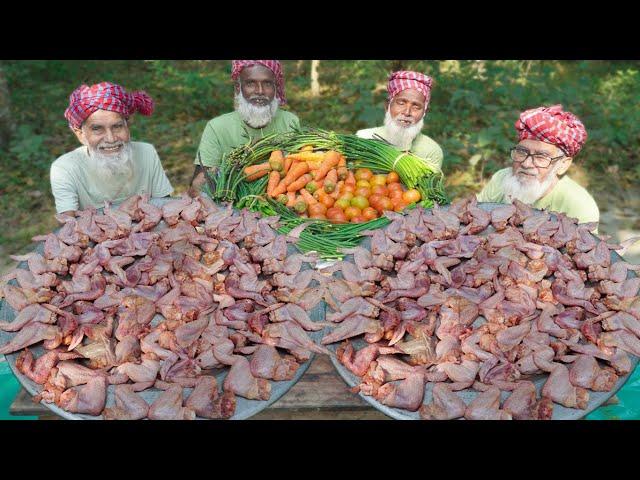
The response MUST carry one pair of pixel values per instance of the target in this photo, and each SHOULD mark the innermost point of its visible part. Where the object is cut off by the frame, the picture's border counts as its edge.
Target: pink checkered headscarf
(404, 79)
(555, 126)
(274, 65)
(85, 100)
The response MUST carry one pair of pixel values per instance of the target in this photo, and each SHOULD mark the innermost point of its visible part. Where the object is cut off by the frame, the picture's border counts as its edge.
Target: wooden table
(320, 394)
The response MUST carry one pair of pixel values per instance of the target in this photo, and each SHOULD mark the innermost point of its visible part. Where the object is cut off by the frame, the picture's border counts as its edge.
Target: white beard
(527, 191)
(399, 135)
(253, 115)
(109, 168)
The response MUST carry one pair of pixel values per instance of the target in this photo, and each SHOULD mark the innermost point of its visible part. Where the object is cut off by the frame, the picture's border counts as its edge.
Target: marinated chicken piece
(206, 402)
(31, 333)
(446, 405)
(586, 373)
(267, 363)
(486, 406)
(89, 399)
(241, 381)
(129, 405)
(407, 394)
(168, 406)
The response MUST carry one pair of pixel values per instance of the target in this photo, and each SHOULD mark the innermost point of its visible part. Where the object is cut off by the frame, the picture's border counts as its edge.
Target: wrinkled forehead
(538, 146)
(410, 95)
(104, 118)
(257, 73)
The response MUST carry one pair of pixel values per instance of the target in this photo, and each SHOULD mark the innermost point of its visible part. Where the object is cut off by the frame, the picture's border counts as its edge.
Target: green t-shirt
(228, 132)
(74, 187)
(566, 197)
(422, 146)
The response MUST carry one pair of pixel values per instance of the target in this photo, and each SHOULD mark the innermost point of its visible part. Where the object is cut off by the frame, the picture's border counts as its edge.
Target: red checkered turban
(85, 100)
(555, 126)
(404, 79)
(274, 65)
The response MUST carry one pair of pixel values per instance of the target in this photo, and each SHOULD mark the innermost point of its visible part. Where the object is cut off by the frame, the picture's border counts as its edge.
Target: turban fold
(404, 79)
(555, 126)
(85, 100)
(274, 65)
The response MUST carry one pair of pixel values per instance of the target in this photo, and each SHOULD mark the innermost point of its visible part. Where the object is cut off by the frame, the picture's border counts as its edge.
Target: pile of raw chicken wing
(222, 283)
(464, 298)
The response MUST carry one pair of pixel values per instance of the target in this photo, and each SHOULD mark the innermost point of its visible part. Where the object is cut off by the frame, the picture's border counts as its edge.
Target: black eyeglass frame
(532, 155)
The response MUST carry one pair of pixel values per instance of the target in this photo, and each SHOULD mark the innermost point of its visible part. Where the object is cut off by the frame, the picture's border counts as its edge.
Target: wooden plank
(320, 393)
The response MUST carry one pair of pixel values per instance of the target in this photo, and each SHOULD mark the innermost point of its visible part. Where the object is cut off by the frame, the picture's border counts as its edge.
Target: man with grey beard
(108, 166)
(549, 139)
(405, 109)
(259, 92)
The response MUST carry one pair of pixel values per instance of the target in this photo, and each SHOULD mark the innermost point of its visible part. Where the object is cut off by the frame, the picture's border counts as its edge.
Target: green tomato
(342, 203)
(359, 202)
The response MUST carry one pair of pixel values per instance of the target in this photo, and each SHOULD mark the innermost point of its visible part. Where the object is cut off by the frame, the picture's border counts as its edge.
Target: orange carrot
(279, 189)
(307, 197)
(343, 173)
(299, 183)
(292, 199)
(254, 172)
(336, 193)
(287, 164)
(274, 179)
(295, 172)
(331, 160)
(330, 181)
(351, 179)
(343, 161)
(276, 160)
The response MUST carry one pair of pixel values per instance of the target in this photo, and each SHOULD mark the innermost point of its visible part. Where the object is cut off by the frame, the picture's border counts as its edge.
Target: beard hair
(109, 167)
(398, 134)
(527, 191)
(253, 115)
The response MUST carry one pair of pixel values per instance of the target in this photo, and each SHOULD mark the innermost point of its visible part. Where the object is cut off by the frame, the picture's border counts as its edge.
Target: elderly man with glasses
(549, 139)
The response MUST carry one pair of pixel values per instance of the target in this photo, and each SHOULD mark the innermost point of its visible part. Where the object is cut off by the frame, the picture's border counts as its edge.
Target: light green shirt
(228, 132)
(566, 197)
(75, 186)
(422, 146)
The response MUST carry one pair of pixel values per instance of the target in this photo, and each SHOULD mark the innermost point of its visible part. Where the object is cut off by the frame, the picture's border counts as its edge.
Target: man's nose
(528, 162)
(259, 88)
(406, 111)
(110, 136)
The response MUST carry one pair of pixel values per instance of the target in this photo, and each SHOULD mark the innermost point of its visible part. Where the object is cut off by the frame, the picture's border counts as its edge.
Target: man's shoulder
(500, 174)
(367, 132)
(426, 140)
(570, 188)
(287, 115)
(69, 160)
(223, 120)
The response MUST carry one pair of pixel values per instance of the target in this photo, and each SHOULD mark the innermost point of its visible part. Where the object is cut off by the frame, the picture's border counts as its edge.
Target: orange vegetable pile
(319, 185)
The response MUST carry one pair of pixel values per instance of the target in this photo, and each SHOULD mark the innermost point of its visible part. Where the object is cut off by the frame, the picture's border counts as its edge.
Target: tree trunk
(397, 65)
(5, 112)
(315, 84)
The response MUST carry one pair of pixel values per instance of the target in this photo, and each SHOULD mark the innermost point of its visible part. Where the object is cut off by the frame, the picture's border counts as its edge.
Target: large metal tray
(560, 412)
(244, 408)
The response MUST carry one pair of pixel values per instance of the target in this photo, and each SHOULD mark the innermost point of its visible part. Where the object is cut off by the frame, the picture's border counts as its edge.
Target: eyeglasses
(540, 160)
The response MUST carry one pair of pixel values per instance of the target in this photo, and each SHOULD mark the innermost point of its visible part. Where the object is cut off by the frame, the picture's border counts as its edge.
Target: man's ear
(565, 164)
(236, 87)
(79, 135)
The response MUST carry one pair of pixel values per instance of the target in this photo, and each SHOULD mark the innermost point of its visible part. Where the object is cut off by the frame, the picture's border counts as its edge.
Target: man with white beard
(406, 106)
(549, 139)
(108, 166)
(259, 92)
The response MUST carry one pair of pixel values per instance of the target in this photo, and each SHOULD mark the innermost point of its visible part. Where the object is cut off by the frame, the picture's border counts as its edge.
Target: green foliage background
(473, 108)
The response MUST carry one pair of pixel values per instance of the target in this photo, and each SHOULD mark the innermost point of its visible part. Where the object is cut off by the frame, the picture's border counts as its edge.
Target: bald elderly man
(108, 166)
(406, 106)
(259, 92)
(549, 139)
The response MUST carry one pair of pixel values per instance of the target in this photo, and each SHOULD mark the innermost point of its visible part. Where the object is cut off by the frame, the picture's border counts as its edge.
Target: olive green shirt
(228, 132)
(422, 146)
(566, 197)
